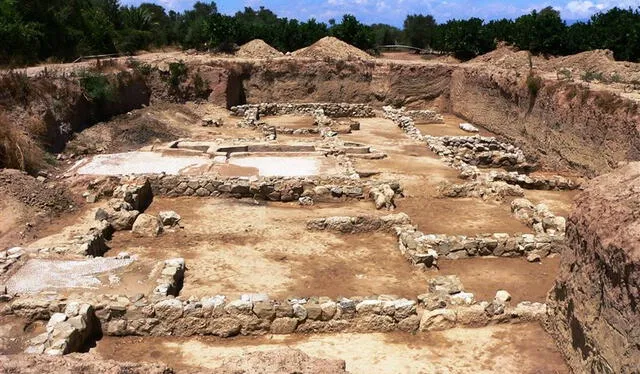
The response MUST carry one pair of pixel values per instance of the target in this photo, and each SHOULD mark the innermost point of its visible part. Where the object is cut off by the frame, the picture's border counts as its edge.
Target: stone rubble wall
(429, 116)
(466, 153)
(330, 109)
(171, 277)
(529, 182)
(257, 315)
(539, 218)
(267, 188)
(425, 116)
(359, 224)
(67, 332)
(129, 200)
(425, 249)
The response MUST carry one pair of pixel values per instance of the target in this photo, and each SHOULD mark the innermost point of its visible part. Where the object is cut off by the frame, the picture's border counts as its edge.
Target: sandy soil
(450, 127)
(233, 247)
(496, 349)
(290, 121)
(560, 202)
(483, 276)
(15, 334)
(464, 216)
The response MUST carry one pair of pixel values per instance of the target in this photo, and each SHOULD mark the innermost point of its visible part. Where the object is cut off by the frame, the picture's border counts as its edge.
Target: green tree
(386, 34)
(617, 30)
(420, 30)
(350, 30)
(540, 32)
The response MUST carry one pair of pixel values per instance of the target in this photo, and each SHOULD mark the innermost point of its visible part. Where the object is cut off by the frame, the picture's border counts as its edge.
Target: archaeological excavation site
(323, 211)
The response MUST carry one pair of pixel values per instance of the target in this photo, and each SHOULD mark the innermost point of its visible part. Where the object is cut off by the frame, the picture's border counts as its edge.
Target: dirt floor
(290, 121)
(484, 276)
(450, 127)
(560, 202)
(273, 252)
(496, 349)
(16, 332)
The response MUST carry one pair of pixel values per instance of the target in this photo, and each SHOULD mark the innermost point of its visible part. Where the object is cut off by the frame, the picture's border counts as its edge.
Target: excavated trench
(345, 229)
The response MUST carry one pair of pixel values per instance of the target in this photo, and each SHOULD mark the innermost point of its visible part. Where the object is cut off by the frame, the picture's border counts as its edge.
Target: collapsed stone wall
(594, 305)
(67, 332)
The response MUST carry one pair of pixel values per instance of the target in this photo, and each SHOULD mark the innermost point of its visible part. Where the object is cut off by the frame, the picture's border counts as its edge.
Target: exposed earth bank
(594, 304)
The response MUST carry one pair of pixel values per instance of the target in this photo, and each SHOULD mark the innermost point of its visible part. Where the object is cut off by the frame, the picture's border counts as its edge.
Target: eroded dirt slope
(594, 305)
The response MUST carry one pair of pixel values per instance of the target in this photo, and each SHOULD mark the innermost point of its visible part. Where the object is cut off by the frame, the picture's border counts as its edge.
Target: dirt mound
(330, 47)
(505, 57)
(133, 130)
(48, 196)
(75, 363)
(599, 61)
(257, 48)
(280, 361)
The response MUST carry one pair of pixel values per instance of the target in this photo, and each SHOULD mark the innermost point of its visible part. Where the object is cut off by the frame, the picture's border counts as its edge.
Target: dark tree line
(541, 32)
(62, 30)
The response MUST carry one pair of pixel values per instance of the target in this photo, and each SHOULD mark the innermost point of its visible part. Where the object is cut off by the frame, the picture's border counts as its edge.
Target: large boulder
(594, 307)
(147, 225)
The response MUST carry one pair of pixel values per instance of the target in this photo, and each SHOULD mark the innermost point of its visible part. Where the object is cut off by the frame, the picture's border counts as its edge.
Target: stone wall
(256, 314)
(425, 249)
(471, 153)
(329, 109)
(359, 224)
(267, 188)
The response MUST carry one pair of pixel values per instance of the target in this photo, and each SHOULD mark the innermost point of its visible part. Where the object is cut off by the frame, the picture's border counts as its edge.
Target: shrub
(200, 86)
(15, 87)
(591, 75)
(17, 151)
(534, 83)
(177, 74)
(564, 75)
(97, 87)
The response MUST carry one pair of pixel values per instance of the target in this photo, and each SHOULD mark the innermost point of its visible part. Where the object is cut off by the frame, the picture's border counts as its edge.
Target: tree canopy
(62, 30)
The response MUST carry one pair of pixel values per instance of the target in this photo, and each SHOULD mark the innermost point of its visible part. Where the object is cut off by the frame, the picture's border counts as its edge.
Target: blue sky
(394, 12)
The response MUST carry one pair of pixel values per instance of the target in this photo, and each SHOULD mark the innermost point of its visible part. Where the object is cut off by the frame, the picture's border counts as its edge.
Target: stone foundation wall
(330, 109)
(360, 224)
(257, 315)
(268, 188)
(425, 249)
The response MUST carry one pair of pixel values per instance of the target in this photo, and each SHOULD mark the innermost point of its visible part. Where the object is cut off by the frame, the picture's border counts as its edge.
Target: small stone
(534, 256)
(502, 297)
(169, 218)
(123, 256)
(147, 225)
(284, 325)
(305, 201)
